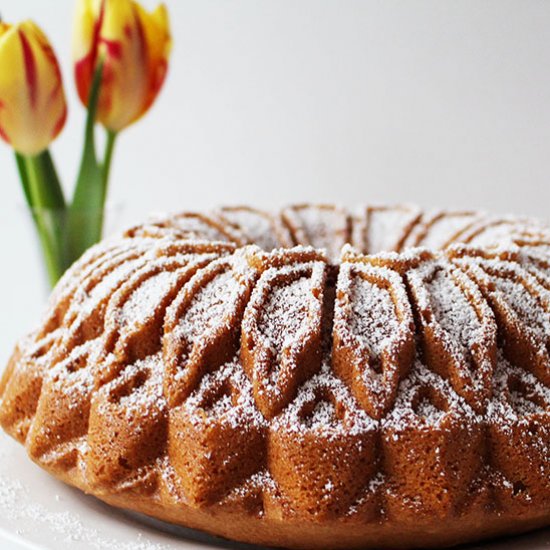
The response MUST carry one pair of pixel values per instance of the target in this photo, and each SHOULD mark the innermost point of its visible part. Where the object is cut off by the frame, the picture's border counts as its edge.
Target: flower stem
(23, 176)
(47, 204)
(86, 211)
(109, 148)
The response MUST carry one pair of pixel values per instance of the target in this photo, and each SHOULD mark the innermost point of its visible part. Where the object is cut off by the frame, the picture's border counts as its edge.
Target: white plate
(37, 511)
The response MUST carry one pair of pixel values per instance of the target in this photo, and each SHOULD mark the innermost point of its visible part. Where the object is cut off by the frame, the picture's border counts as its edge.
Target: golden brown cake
(312, 378)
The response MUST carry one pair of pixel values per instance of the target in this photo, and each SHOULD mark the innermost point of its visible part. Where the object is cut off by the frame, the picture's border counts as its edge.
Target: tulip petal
(86, 36)
(32, 102)
(159, 43)
(30, 69)
(134, 46)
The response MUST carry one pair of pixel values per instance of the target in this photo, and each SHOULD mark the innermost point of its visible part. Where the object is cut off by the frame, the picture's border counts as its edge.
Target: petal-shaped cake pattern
(261, 228)
(322, 226)
(456, 327)
(386, 228)
(522, 309)
(374, 337)
(282, 332)
(201, 328)
(438, 229)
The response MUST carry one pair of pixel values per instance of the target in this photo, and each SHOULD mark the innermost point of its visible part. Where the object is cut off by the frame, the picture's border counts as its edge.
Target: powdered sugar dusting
(505, 231)
(321, 227)
(110, 282)
(519, 397)
(196, 226)
(209, 306)
(373, 317)
(425, 399)
(325, 406)
(323, 414)
(387, 227)
(285, 313)
(144, 301)
(525, 304)
(513, 287)
(454, 313)
(447, 226)
(257, 227)
(146, 398)
(233, 402)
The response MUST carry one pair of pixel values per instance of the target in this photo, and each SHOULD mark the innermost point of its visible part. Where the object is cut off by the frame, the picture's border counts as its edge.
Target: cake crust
(310, 378)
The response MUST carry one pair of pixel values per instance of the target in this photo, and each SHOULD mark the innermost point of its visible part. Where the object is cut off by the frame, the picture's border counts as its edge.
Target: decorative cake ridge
(164, 352)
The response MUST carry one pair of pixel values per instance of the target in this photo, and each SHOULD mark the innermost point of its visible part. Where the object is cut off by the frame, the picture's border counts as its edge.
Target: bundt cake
(312, 378)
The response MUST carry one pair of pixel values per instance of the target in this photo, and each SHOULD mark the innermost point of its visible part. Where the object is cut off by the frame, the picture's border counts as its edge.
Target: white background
(269, 102)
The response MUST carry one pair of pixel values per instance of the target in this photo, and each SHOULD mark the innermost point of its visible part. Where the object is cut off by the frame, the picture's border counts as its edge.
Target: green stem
(109, 149)
(86, 211)
(21, 167)
(105, 171)
(87, 186)
(47, 205)
(42, 188)
(56, 198)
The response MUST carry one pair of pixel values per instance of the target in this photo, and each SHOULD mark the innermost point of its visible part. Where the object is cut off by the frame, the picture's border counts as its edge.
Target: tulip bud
(134, 46)
(32, 101)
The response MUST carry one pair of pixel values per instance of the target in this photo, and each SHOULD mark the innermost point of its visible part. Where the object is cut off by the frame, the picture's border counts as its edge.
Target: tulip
(32, 101)
(132, 45)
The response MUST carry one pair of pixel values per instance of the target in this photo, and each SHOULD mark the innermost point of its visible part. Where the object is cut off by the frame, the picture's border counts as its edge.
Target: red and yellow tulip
(121, 58)
(134, 46)
(32, 101)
